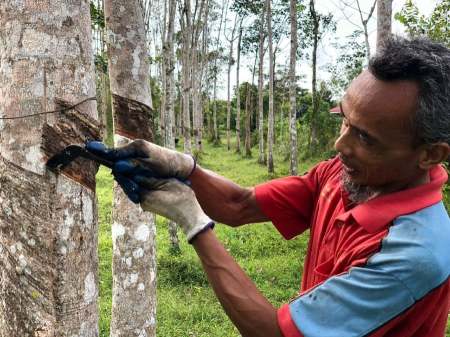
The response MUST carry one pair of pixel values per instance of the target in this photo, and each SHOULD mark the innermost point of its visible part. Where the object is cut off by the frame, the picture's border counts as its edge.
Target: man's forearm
(249, 310)
(223, 200)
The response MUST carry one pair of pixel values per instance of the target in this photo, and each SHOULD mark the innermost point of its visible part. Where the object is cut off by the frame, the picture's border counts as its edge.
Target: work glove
(159, 161)
(168, 197)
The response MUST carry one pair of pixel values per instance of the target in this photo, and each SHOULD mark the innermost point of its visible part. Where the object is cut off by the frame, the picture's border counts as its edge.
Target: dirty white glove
(176, 201)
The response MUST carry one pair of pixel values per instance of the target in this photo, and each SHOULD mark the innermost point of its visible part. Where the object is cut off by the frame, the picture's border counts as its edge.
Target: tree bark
(185, 21)
(364, 23)
(384, 21)
(216, 131)
(169, 114)
(48, 221)
(293, 90)
(315, 99)
(270, 135)
(230, 64)
(133, 231)
(262, 153)
(238, 96)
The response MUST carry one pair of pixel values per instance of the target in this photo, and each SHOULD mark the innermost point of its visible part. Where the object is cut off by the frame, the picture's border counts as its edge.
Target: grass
(187, 306)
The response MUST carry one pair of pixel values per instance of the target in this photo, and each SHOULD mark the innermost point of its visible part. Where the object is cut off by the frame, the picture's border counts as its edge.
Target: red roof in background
(335, 110)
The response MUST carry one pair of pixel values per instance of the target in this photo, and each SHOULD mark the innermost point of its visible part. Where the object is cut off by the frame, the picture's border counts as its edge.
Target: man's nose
(343, 143)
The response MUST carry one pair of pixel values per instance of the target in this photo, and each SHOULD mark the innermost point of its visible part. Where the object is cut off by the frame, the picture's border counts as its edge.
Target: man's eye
(364, 139)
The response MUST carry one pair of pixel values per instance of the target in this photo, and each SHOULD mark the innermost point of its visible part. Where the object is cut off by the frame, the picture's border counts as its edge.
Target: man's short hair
(428, 64)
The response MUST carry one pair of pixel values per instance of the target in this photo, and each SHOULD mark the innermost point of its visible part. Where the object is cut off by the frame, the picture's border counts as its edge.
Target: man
(378, 261)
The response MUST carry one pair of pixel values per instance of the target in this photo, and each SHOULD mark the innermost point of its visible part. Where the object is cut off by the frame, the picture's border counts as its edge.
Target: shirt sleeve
(289, 202)
(366, 299)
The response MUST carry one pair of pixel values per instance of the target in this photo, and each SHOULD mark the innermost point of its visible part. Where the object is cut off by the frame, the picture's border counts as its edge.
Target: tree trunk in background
(312, 142)
(270, 165)
(238, 96)
(230, 63)
(216, 131)
(249, 115)
(293, 90)
(185, 21)
(262, 153)
(365, 23)
(384, 21)
(169, 90)
(133, 231)
(48, 222)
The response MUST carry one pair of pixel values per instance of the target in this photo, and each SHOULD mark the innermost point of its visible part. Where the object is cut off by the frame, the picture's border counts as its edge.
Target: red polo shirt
(378, 269)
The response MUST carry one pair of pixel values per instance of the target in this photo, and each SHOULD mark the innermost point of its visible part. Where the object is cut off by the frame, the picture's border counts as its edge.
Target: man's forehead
(381, 108)
(397, 97)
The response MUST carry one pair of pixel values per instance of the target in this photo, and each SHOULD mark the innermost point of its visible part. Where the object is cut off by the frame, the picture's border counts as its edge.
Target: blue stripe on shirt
(413, 260)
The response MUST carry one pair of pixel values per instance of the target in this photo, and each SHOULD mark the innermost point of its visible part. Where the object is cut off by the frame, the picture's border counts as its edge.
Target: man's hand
(170, 198)
(158, 161)
(176, 201)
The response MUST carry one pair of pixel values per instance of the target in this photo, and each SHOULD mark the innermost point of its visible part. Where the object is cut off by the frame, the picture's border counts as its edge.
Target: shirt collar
(379, 212)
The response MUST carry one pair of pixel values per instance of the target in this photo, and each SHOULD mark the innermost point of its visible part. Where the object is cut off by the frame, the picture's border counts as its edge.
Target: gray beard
(357, 194)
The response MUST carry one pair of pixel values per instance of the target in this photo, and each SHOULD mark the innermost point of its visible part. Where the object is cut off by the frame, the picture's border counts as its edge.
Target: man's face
(376, 140)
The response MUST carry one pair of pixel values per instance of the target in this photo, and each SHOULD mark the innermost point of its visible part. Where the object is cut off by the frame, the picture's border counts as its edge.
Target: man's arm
(249, 310)
(223, 200)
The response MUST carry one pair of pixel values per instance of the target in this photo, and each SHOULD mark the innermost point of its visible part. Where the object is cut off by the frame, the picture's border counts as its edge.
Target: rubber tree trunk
(133, 231)
(270, 133)
(216, 131)
(238, 95)
(384, 21)
(293, 90)
(262, 159)
(169, 94)
(48, 221)
(315, 97)
(186, 29)
(230, 64)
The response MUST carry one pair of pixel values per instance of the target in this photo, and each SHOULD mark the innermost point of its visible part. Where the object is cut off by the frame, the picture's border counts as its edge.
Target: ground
(187, 306)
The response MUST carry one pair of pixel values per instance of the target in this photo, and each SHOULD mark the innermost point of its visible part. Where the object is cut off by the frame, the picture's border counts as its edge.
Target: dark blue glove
(123, 171)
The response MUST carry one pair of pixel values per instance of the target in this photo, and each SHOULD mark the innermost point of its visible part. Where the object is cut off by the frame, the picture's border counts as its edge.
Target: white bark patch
(32, 242)
(113, 39)
(63, 250)
(142, 233)
(65, 228)
(152, 276)
(130, 280)
(89, 288)
(22, 261)
(136, 63)
(122, 9)
(88, 209)
(141, 287)
(38, 43)
(138, 253)
(117, 231)
(129, 261)
(34, 159)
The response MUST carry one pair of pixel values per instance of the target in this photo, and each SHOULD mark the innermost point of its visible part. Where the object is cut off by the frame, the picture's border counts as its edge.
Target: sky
(326, 53)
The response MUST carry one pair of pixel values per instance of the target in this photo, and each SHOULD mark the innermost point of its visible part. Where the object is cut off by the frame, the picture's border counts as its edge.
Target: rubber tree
(238, 96)
(169, 96)
(133, 231)
(48, 220)
(384, 21)
(270, 124)
(230, 64)
(293, 89)
(262, 158)
(216, 71)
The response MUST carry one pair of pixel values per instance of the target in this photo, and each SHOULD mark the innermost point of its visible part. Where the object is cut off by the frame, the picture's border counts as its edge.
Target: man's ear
(434, 154)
